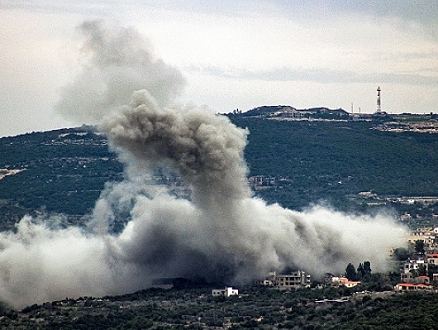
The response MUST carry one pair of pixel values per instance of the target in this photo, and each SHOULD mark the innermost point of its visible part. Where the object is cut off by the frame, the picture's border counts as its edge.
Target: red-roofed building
(337, 281)
(432, 258)
(411, 287)
(423, 279)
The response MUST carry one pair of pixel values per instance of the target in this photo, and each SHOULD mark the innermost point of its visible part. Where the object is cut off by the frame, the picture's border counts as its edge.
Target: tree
(401, 254)
(422, 270)
(419, 246)
(364, 271)
(367, 267)
(350, 272)
(360, 271)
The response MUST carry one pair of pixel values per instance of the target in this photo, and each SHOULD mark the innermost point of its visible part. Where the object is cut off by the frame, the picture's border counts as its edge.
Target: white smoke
(220, 232)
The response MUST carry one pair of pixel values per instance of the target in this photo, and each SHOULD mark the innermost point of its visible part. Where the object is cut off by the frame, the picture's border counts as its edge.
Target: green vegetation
(62, 171)
(351, 153)
(255, 308)
(331, 160)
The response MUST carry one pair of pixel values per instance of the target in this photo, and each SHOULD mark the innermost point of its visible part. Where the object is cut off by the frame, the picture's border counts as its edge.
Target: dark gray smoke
(206, 150)
(224, 227)
(220, 232)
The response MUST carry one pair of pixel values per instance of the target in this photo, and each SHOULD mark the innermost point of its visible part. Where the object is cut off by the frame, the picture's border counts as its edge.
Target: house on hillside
(423, 279)
(411, 287)
(297, 279)
(337, 281)
(432, 258)
(227, 292)
(413, 266)
(428, 235)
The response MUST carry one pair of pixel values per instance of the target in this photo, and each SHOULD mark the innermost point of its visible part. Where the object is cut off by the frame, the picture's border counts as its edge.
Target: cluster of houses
(297, 279)
(418, 270)
(413, 273)
(293, 280)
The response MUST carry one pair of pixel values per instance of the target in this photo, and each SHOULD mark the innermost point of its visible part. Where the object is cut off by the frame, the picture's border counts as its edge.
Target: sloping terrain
(329, 160)
(60, 171)
(64, 171)
(256, 308)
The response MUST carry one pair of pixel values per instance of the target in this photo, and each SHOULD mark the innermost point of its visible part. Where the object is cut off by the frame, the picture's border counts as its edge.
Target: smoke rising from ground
(231, 230)
(221, 231)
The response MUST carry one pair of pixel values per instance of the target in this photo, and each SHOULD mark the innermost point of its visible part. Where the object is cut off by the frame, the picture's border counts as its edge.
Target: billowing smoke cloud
(223, 228)
(220, 232)
(115, 62)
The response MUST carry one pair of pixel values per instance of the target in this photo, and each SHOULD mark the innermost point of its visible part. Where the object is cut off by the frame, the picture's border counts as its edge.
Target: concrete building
(295, 279)
(413, 265)
(432, 258)
(227, 292)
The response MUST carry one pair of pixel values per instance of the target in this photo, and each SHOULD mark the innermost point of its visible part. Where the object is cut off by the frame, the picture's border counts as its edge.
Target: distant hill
(288, 111)
(293, 163)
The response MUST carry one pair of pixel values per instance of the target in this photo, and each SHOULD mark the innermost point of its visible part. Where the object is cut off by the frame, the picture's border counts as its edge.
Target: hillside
(60, 171)
(324, 159)
(298, 163)
(256, 308)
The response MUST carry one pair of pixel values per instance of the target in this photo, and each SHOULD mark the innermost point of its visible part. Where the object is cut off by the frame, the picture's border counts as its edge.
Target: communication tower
(379, 108)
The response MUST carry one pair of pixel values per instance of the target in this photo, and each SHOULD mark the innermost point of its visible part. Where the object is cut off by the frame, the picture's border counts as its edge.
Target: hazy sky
(233, 54)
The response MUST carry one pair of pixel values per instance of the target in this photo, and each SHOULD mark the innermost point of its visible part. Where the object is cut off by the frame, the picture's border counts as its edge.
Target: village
(417, 266)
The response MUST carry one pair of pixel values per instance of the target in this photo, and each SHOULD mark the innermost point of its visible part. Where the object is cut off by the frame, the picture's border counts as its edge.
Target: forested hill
(330, 159)
(64, 171)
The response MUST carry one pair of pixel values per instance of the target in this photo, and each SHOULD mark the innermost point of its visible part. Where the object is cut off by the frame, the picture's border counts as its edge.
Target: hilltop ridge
(383, 120)
(286, 111)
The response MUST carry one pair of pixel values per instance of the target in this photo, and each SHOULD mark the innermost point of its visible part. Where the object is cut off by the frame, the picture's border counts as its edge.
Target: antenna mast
(379, 108)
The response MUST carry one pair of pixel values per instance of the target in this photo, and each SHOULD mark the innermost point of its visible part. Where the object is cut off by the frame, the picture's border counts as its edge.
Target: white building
(227, 292)
(411, 265)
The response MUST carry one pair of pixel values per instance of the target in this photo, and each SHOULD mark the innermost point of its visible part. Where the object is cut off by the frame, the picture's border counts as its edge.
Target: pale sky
(232, 54)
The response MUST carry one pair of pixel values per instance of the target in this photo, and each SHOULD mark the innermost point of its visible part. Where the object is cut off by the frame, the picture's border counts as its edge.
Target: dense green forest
(331, 160)
(320, 153)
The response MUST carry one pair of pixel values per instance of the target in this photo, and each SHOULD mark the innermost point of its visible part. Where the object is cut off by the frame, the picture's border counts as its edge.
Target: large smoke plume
(220, 232)
(115, 62)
